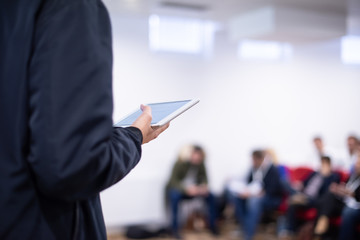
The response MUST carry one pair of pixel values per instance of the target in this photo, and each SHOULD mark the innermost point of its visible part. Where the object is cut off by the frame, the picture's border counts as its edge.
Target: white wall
(243, 105)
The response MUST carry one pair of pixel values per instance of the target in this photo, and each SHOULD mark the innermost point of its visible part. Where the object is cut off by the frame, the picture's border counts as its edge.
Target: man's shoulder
(273, 169)
(68, 1)
(272, 173)
(55, 5)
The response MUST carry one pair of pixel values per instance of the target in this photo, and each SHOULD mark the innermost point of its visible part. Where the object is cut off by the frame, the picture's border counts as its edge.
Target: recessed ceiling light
(350, 49)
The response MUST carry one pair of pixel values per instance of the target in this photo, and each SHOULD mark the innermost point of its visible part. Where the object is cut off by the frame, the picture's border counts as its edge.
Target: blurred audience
(344, 200)
(261, 192)
(189, 180)
(268, 185)
(307, 194)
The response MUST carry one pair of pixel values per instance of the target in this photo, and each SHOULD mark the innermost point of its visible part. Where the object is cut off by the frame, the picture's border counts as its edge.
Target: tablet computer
(162, 113)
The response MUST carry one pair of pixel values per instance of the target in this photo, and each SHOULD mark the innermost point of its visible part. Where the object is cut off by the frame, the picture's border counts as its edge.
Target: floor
(227, 232)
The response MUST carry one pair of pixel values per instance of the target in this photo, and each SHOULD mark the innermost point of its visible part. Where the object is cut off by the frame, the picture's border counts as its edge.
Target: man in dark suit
(264, 194)
(58, 148)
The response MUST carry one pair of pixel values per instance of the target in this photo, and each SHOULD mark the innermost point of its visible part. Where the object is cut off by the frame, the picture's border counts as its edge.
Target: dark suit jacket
(58, 148)
(271, 182)
(326, 183)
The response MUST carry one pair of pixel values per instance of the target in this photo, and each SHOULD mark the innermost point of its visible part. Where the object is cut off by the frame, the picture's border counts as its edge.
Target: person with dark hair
(189, 180)
(263, 193)
(320, 150)
(344, 200)
(308, 194)
(58, 147)
(351, 155)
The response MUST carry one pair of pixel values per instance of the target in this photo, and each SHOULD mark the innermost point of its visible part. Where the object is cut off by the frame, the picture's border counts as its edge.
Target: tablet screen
(159, 112)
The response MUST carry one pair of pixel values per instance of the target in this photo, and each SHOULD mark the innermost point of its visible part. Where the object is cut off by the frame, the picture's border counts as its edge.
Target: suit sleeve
(357, 194)
(272, 183)
(249, 177)
(75, 152)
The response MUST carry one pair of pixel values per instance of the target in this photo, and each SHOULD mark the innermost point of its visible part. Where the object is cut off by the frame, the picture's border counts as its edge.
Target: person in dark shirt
(342, 199)
(189, 180)
(308, 194)
(264, 194)
(58, 149)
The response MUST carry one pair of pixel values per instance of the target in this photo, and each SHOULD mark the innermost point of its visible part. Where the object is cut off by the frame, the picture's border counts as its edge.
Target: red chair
(283, 206)
(294, 174)
(299, 173)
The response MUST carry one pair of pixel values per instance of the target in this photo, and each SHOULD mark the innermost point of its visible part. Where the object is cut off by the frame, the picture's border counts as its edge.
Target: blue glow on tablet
(159, 112)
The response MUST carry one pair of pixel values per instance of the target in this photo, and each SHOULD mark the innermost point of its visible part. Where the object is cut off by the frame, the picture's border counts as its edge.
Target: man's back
(58, 149)
(18, 201)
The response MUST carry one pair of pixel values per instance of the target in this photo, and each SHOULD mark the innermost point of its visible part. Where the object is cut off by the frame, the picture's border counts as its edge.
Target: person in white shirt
(320, 150)
(351, 156)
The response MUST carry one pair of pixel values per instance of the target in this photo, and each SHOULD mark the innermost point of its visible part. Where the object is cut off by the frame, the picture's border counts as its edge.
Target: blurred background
(267, 73)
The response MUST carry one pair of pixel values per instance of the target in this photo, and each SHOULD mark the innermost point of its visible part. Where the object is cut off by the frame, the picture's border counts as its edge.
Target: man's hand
(245, 195)
(340, 190)
(298, 185)
(333, 187)
(144, 124)
(203, 190)
(299, 199)
(192, 191)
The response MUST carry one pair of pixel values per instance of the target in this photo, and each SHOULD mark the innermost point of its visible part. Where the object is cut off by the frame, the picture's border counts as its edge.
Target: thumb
(146, 113)
(145, 109)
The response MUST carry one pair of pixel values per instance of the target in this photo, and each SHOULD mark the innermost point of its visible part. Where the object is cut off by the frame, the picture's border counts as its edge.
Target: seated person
(307, 194)
(262, 192)
(189, 180)
(341, 199)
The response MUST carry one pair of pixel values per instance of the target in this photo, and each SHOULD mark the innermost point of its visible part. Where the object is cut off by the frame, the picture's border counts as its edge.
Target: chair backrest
(300, 173)
(344, 176)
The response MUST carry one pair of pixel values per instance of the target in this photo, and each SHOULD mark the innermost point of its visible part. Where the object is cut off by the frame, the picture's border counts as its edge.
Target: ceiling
(215, 9)
(224, 11)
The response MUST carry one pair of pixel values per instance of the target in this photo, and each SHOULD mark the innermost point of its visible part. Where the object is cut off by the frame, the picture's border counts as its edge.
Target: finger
(145, 109)
(162, 128)
(146, 113)
(156, 132)
(155, 127)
